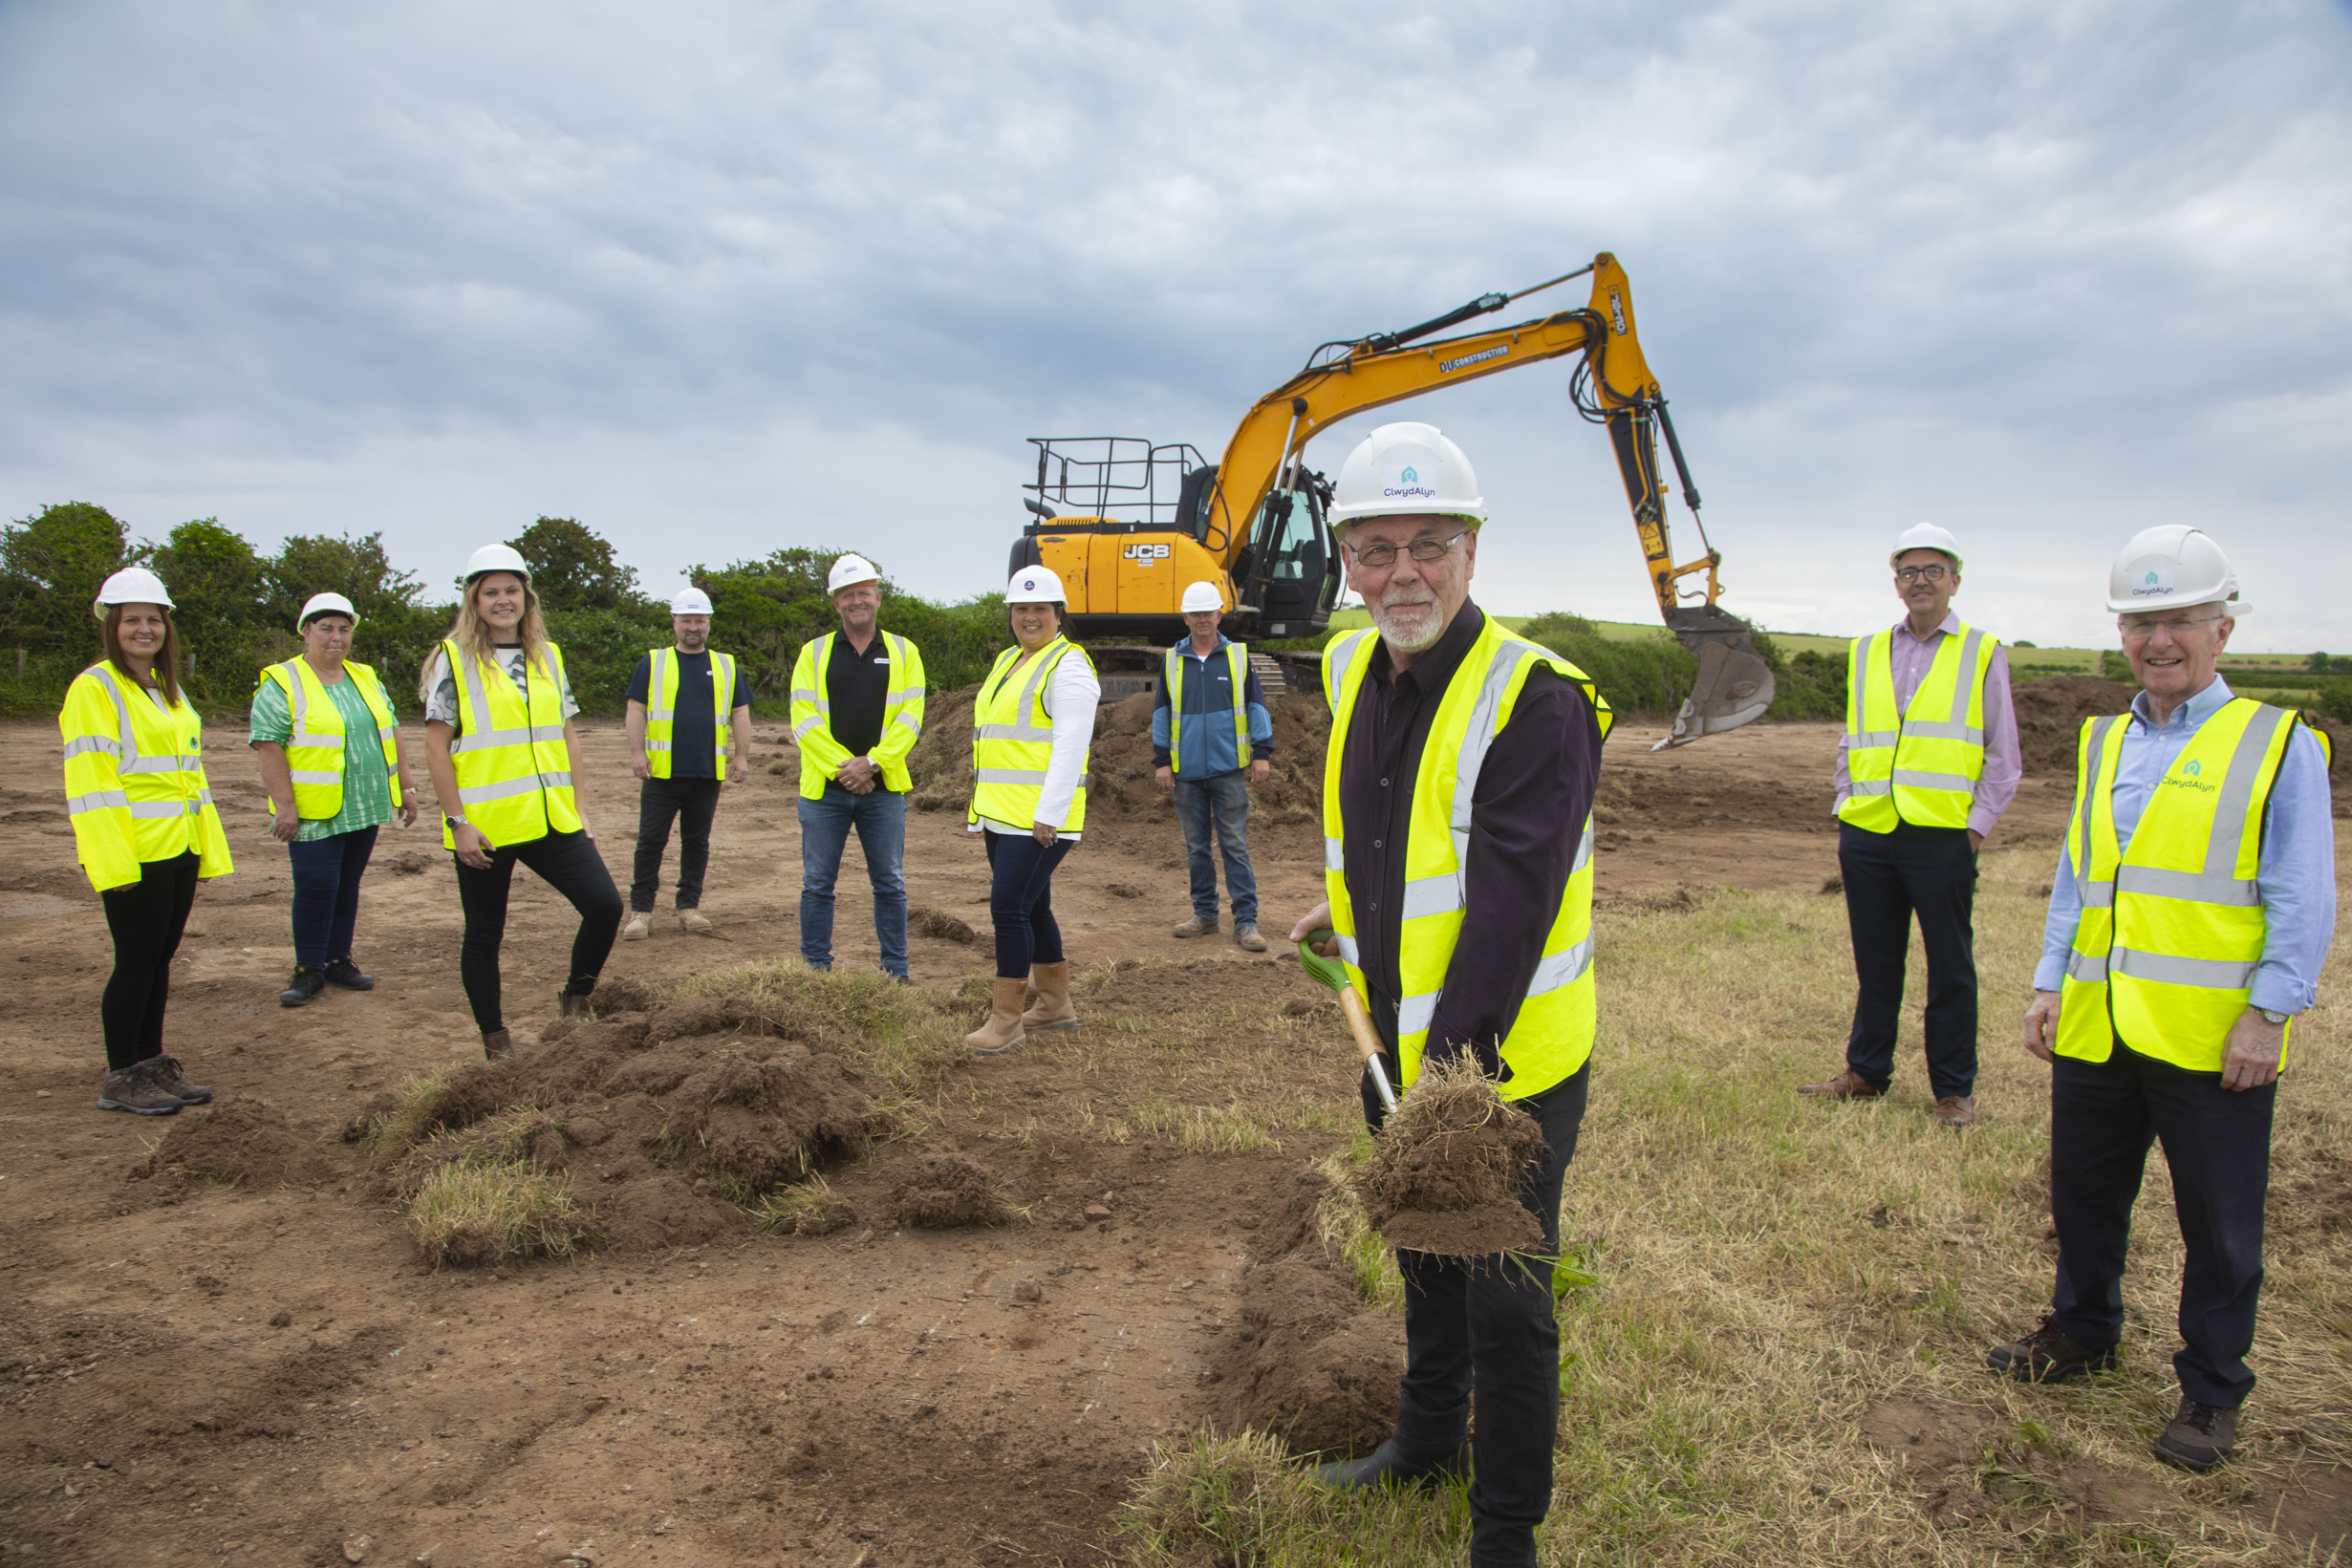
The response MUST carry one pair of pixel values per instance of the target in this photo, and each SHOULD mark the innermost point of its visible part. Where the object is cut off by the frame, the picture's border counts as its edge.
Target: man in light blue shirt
(2167, 982)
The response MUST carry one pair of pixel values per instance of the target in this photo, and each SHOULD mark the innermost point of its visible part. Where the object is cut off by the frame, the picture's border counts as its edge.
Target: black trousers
(569, 863)
(2103, 1118)
(1021, 900)
(1479, 1331)
(1890, 877)
(145, 920)
(694, 803)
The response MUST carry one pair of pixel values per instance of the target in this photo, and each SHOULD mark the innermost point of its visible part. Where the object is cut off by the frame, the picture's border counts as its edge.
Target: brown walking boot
(1848, 1085)
(1956, 1110)
(2048, 1356)
(1052, 1009)
(137, 1090)
(638, 927)
(1245, 937)
(166, 1071)
(1196, 926)
(2201, 1437)
(573, 1005)
(1003, 1031)
(496, 1046)
(693, 923)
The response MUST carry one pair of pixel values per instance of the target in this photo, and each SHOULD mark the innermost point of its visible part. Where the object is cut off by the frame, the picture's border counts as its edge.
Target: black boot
(344, 973)
(573, 1005)
(1387, 1464)
(496, 1046)
(1501, 1545)
(303, 989)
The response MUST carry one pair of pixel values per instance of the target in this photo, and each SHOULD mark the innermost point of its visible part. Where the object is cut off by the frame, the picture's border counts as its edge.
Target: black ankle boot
(1387, 1464)
(303, 989)
(344, 973)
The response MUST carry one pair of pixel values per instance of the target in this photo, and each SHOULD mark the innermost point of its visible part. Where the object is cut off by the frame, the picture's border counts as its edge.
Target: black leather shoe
(2201, 1438)
(303, 989)
(344, 973)
(1388, 1466)
(2048, 1356)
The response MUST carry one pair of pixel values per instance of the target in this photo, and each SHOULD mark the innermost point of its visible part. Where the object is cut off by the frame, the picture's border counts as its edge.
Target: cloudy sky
(717, 278)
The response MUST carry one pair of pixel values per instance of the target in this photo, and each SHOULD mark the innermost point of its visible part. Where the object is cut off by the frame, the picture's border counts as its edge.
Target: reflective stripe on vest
(2172, 928)
(902, 708)
(1012, 741)
(1552, 1035)
(514, 777)
(135, 783)
(315, 750)
(1921, 766)
(1172, 675)
(661, 709)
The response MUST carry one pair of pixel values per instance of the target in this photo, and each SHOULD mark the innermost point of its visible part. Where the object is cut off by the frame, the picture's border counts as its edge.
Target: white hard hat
(1035, 584)
(497, 558)
(1403, 469)
(2171, 566)
(1203, 596)
(1926, 536)
(849, 571)
(325, 604)
(690, 601)
(132, 585)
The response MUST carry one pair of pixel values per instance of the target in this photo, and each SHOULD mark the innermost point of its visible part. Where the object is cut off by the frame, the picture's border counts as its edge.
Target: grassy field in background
(1770, 1272)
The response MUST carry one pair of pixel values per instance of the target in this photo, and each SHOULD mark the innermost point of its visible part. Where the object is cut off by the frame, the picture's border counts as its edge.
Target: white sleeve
(1071, 703)
(443, 706)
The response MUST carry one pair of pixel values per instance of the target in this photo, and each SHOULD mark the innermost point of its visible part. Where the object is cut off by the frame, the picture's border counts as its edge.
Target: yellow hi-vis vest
(821, 756)
(2171, 930)
(1173, 676)
(1921, 766)
(315, 750)
(134, 780)
(1012, 741)
(1552, 1035)
(661, 709)
(514, 771)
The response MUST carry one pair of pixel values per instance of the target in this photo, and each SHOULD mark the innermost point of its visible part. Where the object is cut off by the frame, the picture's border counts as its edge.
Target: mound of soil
(933, 921)
(944, 1193)
(1445, 1169)
(243, 1142)
(2050, 713)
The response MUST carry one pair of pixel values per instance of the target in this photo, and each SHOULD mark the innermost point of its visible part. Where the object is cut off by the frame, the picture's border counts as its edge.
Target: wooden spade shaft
(1368, 1041)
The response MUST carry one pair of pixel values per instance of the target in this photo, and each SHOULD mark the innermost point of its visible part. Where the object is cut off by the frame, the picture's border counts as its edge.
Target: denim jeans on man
(327, 873)
(881, 818)
(1218, 805)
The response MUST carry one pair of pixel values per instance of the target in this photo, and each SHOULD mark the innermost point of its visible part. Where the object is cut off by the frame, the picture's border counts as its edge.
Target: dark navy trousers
(1890, 878)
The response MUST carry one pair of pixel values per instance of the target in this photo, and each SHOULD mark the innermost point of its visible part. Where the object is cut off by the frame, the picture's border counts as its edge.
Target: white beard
(1410, 628)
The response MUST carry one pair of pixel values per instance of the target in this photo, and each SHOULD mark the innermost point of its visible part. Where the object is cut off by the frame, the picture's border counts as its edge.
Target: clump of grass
(1210, 1502)
(810, 1208)
(900, 1039)
(486, 1210)
(410, 1120)
(931, 920)
(1203, 1129)
(1341, 1225)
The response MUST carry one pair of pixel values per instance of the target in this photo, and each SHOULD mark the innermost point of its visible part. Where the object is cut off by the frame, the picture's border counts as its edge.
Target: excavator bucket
(1734, 685)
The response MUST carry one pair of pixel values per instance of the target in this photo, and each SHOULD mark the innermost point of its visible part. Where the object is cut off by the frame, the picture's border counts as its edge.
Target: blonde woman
(503, 755)
(144, 828)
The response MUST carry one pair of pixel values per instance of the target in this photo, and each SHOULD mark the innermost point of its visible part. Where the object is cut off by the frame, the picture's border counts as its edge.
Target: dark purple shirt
(1526, 816)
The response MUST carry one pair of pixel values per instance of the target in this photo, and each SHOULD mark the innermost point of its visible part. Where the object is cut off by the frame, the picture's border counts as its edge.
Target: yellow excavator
(1254, 521)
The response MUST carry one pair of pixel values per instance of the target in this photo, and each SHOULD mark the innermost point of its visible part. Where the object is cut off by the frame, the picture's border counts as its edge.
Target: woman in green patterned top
(330, 749)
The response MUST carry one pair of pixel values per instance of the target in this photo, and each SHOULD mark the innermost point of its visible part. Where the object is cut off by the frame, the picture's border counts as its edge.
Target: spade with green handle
(1329, 972)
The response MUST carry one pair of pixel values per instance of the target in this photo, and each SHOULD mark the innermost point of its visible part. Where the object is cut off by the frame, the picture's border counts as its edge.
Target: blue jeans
(1021, 901)
(880, 819)
(327, 873)
(1219, 802)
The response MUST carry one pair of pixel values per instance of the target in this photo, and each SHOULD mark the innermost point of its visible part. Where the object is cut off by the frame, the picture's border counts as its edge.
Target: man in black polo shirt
(675, 697)
(857, 708)
(1494, 960)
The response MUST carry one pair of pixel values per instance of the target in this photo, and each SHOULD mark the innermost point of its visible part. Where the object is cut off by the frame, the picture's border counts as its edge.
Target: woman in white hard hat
(1031, 729)
(329, 744)
(144, 828)
(500, 746)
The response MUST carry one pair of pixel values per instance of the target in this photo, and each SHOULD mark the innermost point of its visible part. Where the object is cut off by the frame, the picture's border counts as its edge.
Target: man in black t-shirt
(677, 698)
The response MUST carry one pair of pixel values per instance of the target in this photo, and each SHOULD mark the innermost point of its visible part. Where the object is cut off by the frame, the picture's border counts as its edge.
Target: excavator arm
(1615, 388)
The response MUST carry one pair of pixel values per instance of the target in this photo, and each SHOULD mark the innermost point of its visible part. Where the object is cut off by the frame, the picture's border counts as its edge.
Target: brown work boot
(496, 1046)
(1003, 1031)
(1246, 936)
(137, 1090)
(1052, 1009)
(166, 1071)
(2200, 1438)
(1196, 926)
(693, 923)
(638, 927)
(1956, 1110)
(2048, 1356)
(573, 1005)
(1848, 1085)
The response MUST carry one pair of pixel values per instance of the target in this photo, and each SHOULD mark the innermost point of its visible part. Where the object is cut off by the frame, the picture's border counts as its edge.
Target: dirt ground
(192, 1372)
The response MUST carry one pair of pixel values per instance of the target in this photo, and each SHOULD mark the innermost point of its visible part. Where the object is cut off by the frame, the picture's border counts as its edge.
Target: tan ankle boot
(1002, 1030)
(1052, 1009)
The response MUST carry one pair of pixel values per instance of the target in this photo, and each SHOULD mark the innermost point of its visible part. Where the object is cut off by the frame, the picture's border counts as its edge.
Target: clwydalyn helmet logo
(1411, 475)
(2155, 583)
(1405, 484)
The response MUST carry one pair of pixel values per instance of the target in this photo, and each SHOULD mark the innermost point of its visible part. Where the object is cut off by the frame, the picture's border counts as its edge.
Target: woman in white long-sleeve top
(1031, 729)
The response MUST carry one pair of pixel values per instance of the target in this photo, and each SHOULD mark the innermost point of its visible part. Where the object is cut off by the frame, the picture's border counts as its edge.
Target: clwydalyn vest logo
(2188, 778)
(1404, 484)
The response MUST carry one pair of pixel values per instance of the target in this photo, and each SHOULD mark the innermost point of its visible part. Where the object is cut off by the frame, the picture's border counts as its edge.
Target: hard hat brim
(2238, 608)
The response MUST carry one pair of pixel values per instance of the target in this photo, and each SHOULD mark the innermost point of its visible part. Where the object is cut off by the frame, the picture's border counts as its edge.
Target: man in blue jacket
(1209, 710)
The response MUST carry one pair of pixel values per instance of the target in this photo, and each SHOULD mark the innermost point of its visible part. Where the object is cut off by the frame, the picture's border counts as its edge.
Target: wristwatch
(456, 823)
(2269, 1017)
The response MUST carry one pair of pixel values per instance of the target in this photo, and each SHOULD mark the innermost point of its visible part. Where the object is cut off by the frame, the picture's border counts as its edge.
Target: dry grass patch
(479, 1211)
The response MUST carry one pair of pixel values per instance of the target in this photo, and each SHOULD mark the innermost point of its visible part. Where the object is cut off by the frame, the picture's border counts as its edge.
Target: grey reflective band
(122, 708)
(1963, 681)
(1866, 739)
(656, 745)
(488, 740)
(1413, 1013)
(1334, 855)
(1348, 953)
(656, 710)
(2087, 968)
(802, 694)
(95, 801)
(2169, 969)
(910, 726)
(1869, 786)
(2193, 887)
(1565, 967)
(1906, 778)
(531, 785)
(909, 695)
(312, 776)
(1931, 729)
(1584, 847)
(163, 765)
(83, 744)
(2094, 768)
(1429, 896)
(805, 725)
(158, 810)
(1485, 720)
(2236, 800)
(1337, 659)
(1010, 776)
(1857, 700)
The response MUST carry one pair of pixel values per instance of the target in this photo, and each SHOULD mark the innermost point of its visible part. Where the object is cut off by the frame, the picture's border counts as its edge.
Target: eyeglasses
(2176, 626)
(1423, 551)
(1913, 574)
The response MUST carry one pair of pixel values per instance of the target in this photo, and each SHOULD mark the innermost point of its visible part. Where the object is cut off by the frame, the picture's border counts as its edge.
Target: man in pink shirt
(1928, 764)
